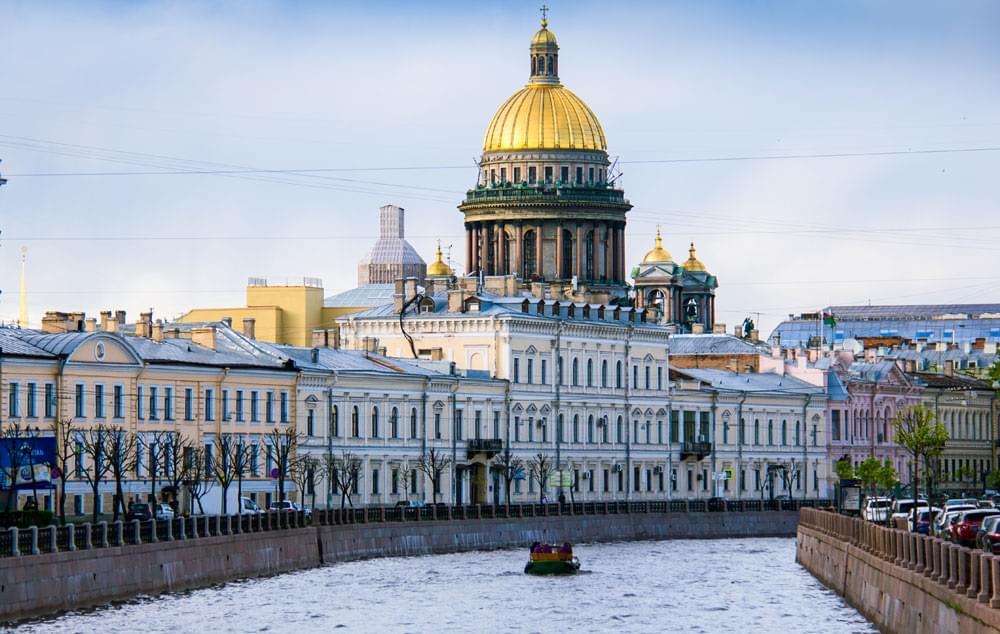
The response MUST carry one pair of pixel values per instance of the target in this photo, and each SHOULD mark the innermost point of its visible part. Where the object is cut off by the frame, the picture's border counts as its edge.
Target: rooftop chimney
(156, 332)
(697, 329)
(204, 337)
(143, 327)
(105, 316)
(949, 367)
(249, 327)
(91, 325)
(227, 322)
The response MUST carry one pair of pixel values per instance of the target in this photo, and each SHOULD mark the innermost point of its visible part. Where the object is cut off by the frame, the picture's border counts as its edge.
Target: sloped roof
(712, 344)
(12, 342)
(750, 382)
(369, 295)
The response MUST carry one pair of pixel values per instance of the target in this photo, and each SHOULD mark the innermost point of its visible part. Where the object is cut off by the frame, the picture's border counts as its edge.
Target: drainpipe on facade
(628, 415)
(329, 445)
(715, 406)
(423, 435)
(805, 447)
(506, 441)
(560, 377)
(454, 444)
(740, 483)
(670, 416)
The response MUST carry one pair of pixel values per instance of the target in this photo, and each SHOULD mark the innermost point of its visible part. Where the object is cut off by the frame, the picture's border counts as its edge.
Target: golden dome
(544, 116)
(658, 254)
(544, 37)
(438, 268)
(693, 263)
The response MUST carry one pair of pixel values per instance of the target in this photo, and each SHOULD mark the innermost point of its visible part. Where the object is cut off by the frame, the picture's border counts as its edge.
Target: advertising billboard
(26, 463)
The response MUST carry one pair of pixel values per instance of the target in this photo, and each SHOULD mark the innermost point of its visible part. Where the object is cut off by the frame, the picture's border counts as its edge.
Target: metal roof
(12, 342)
(750, 382)
(368, 295)
(709, 344)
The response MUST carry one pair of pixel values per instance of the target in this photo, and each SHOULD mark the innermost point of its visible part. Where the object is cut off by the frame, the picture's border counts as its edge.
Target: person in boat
(566, 548)
(535, 547)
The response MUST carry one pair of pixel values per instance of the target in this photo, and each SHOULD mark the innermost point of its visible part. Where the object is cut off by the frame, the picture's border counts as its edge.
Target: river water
(730, 586)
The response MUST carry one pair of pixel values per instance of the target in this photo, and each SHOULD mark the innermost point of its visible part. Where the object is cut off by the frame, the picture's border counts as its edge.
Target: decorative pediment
(103, 348)
(545, 410)
(517, 409)
(531, 408)
(531, 350)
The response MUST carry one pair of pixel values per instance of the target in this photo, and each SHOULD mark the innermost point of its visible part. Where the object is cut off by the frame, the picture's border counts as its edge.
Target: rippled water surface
(731, 586)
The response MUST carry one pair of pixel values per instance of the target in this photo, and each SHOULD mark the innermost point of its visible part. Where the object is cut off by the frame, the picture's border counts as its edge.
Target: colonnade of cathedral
(593, 251)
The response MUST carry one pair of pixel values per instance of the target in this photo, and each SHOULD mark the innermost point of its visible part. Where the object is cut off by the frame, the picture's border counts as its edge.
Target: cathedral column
(578, 271)
(606, 249)
(502, 268)
(476, 256)
(621, 253)
(519, 249)
(484, 246)
(468, 249)
(539, 263)
(560, 274)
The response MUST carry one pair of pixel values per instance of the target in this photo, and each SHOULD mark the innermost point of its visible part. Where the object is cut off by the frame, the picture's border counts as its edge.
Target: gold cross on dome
(545, 14)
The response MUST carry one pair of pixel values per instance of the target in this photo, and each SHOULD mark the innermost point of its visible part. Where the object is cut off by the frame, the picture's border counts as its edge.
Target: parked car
(904, 508)
(964, 528)
(943, 522)
(249, 507)
(142, 511)
(988, 537)
(877, 509)
(164, 512)
(952, 503)
(925, 519)
(288, 505)
(986, 504)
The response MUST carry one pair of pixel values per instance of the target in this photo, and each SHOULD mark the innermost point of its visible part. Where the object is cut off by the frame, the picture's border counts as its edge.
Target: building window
(254, 406)
(604, 373)
(647, 377)
(14, 400)
(531, 371)
(620, 435)
(618, 375)
(80, 401)
(517, 429)
(635, 377)
(590, 373)
(756, 431)
(784, 432)
(770, 431)
(517, 175)
(118, 401)
(50, 400)
(590, 174)
(168, 403)
(458, 424)
(139, 404)
(334, 421)
(374, 422)
(32, 400)
(564, 174)
(269, 407)
(579, 175)
(225, 406)
(576, 372)
(209, 404)
(283, 409)
(517, 370)
(437, 425)
(532, 174)
(675, 426)
(355, 422)
(413, 422)
(188, 403)
(545, 372)
(548, 173)
(310, 422)
(590, 429)
(394, 423)
(835, 424)
(659, 378)
(98, 401)
(576, 428)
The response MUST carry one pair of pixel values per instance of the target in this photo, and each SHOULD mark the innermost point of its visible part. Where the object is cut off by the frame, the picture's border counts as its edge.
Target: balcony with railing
(545, 193)
(488, 446)
(695, 450)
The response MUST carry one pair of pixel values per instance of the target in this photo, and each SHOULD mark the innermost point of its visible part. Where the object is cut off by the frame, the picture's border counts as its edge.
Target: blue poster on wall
(27, 462)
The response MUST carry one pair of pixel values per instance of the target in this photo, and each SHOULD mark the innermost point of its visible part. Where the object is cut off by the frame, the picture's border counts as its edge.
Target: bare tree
(177, 462)
(200, 477)
(432, 464)
(346, 476)
(65, 435)
(120, 448)
(539, 467)
(508, 466)
(156, 448)
(222, 466)
(13, 435)
(240, 453)
(406, 474)
(302, 472)
(284, 445)
(95, 447)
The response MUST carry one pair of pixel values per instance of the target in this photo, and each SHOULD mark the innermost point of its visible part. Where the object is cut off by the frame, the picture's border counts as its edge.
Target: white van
(877, 509)
(249, 507)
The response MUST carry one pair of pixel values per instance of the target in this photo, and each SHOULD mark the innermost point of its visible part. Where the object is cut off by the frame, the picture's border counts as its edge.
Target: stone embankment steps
(903, 582)
(92, 565)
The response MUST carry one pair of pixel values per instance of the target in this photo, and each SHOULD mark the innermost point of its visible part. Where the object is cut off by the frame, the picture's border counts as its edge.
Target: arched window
(621, 430)
(590, 429)
(590, 373)
(334, 421)
(784, 432)
(374, 422)
(534, 64)
(559, 429)
(355, 422)
(798, 437)
(604, 373)
(576, 428)
(530, 265)
(618, 375)
(394, 422)
(413, 422)
(576, 371)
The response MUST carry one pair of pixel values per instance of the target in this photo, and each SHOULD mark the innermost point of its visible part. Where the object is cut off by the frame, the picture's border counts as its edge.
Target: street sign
(519, 474)
(729, 473)
(275, 473)
(719, 476)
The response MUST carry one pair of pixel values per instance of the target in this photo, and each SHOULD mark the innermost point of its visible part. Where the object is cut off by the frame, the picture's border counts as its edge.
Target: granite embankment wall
(902, 582)
(40, 584)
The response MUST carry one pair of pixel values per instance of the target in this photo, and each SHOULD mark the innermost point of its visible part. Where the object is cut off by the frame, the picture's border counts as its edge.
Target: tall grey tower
(391, 257)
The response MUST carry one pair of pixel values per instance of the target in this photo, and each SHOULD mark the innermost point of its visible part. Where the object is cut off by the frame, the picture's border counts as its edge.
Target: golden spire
(693, 263)
(657, 254)
(438, 268)
(22, 316)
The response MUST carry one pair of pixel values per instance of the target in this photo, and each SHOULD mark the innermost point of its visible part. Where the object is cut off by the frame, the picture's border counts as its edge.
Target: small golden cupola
(657, 255)
(693, 263)
(438, 268)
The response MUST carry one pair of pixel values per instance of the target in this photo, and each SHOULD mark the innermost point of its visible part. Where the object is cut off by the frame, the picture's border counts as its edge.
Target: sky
(389, 103)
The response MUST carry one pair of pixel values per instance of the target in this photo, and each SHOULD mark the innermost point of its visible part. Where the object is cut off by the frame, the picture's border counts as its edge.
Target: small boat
(551, 559)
